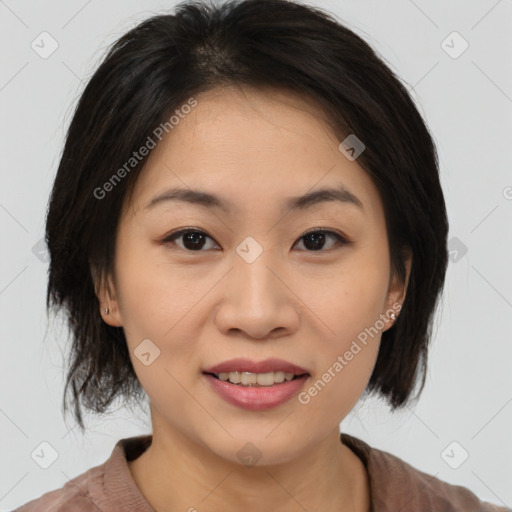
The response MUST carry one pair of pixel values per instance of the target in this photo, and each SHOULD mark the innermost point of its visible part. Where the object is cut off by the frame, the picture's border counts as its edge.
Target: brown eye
(315, 240)
(195, 240)
(192, 239)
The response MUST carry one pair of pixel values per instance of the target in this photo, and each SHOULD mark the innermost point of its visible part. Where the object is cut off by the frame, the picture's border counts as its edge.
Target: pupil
(193, 236)
(320, 240)
(194, 240)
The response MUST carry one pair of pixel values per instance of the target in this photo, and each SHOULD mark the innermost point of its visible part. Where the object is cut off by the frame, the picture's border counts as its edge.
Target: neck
(177, 474)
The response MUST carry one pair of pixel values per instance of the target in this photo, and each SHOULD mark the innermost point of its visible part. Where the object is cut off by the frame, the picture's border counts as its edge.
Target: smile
(255, 379)
(257, 397)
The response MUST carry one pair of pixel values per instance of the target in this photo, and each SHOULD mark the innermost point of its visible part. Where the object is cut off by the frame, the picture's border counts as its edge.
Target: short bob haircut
(266, 44)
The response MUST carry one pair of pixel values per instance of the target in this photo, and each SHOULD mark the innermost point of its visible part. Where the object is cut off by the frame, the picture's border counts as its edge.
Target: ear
(107, 297)
(397, 292)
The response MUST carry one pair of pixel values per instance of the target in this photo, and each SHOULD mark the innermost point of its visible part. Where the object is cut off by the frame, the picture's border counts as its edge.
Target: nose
(258, 300)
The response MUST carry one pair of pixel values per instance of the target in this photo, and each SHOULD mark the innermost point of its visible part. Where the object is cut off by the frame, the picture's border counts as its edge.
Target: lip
(266, 366)
(256, 398)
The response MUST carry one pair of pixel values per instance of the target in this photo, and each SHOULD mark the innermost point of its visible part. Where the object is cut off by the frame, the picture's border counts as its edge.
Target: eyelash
(177, 234)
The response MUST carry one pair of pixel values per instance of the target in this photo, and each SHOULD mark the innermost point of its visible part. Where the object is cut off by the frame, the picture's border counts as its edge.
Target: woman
(247, 225)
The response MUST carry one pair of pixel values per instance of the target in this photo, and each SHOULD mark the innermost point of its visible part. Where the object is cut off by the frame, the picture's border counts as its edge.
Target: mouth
(249, 373)
(256, 391)
(249, 379)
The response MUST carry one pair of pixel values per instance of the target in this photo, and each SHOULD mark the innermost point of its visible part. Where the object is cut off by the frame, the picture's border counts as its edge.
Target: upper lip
(246, 365)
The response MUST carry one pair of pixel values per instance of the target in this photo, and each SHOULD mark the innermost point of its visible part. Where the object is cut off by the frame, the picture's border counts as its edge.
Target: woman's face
(250, 284)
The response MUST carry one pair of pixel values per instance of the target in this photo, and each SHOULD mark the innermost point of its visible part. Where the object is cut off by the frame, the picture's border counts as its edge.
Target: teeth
(255, 379)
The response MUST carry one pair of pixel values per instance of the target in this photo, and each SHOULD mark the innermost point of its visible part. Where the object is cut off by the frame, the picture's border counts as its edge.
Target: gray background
(467, 102)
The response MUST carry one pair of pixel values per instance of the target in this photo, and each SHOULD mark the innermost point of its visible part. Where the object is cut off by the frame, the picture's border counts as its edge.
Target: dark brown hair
(156, 67)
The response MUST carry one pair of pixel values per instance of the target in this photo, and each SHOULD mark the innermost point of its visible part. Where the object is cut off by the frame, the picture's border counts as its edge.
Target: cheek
(349, 297)
(345, 358)
(152, 295)
(349, 308)
(161, 304)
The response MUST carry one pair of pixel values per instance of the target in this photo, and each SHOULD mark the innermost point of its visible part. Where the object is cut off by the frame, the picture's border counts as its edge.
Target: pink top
(394, 485)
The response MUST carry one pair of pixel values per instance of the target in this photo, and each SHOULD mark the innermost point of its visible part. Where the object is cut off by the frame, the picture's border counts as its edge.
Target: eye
(315, 240)
(195, 239)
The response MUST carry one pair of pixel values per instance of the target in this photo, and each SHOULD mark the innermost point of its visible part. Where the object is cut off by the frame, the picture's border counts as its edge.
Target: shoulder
(74, 495)
(108, 486)
(396, 485)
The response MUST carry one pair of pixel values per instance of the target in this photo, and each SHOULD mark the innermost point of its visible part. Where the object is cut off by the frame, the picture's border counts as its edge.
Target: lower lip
(256, 398)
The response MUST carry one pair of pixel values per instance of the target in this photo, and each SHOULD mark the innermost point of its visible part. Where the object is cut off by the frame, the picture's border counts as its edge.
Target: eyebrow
(197, 197)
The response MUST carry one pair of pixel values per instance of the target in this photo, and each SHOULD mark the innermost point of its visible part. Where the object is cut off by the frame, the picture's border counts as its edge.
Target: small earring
(393, 316)
(106, 311)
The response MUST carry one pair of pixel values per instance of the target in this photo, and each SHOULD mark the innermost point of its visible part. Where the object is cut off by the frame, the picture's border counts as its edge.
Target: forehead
(274, 143)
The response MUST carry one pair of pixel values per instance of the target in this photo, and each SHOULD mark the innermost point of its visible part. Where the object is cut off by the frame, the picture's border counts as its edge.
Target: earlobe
(110, 313)
(397, 292)
(107, 298)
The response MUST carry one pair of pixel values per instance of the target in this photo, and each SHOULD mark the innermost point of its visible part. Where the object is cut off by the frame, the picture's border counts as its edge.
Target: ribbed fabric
(395, 486)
